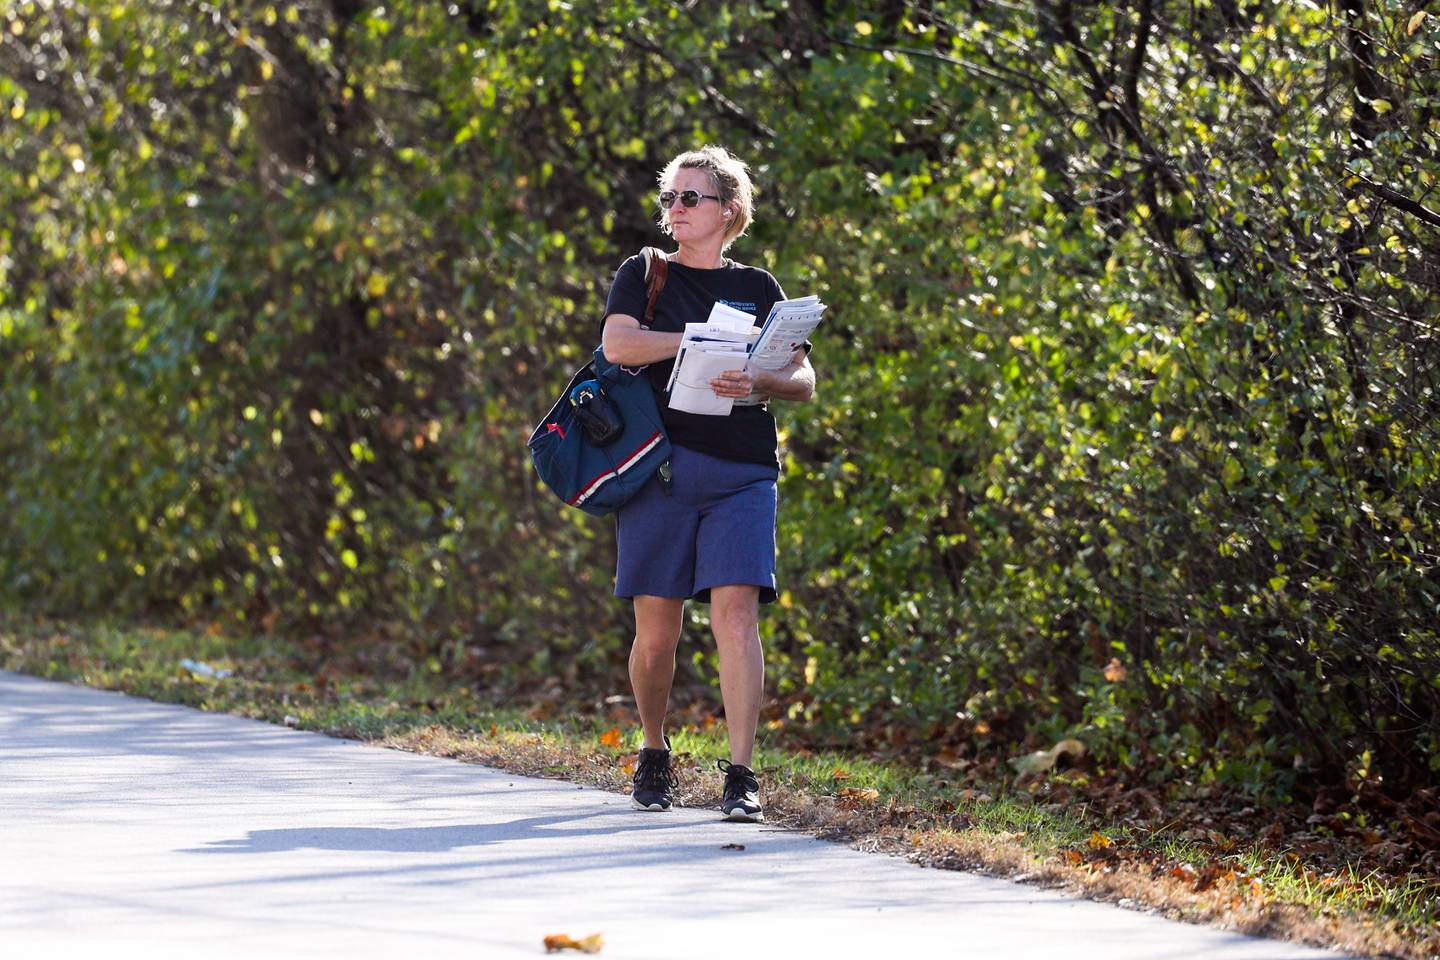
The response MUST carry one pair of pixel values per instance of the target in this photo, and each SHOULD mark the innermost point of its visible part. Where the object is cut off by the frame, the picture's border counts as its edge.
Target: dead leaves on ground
(1215, 874)
(853, 798)
(563, 941)
(1098, 841)
(1098, 851)
(1102, 853)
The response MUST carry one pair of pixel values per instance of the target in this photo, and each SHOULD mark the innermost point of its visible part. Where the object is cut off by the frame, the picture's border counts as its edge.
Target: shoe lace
(738, 780)
(654, 771)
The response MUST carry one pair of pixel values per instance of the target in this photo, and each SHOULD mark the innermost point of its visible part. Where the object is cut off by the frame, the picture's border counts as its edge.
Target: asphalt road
(130, 828)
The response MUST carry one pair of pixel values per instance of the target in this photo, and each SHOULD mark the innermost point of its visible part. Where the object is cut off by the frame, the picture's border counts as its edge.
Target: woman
(708, 535)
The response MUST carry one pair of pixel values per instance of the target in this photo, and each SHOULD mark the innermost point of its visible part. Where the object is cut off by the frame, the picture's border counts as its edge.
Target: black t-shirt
(748, 433)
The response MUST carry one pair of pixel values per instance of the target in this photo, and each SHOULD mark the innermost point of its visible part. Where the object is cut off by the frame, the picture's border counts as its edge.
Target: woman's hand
(736, 384)
(794, 382)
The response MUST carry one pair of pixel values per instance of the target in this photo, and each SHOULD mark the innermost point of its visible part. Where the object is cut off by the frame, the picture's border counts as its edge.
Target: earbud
(727, 213)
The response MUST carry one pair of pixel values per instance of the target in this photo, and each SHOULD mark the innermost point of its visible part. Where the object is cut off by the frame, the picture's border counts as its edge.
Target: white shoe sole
(654, 807)
(742, 817)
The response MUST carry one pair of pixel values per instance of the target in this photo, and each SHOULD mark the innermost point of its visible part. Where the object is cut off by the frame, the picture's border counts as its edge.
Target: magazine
(786, 329)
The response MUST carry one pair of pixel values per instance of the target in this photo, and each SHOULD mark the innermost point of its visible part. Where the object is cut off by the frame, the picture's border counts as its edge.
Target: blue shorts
(715, 528)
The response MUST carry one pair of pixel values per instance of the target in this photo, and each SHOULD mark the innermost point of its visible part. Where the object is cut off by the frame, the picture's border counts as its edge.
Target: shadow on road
(427, 839)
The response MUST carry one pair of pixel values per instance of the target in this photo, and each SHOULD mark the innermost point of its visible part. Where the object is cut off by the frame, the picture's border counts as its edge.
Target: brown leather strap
(657, 269)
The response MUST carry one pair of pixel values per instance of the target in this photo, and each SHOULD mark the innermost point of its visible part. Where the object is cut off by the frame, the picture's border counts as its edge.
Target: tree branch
(727, 105)
(1400, 201)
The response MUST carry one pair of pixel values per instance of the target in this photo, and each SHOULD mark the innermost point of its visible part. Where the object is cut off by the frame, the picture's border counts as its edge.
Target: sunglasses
(689, 198)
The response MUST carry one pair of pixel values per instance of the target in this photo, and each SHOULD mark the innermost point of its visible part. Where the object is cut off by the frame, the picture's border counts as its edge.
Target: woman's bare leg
(652, 661)
(735, 621)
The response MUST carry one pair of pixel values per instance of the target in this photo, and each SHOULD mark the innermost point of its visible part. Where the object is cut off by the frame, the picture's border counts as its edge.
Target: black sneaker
(742, 793)
(655, 780)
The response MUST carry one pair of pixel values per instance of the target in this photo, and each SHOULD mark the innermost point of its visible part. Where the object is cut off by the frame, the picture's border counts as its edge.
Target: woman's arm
(625, 343)
(793, 382)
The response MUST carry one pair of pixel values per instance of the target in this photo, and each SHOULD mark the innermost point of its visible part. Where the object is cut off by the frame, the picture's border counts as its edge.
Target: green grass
(1414, 902)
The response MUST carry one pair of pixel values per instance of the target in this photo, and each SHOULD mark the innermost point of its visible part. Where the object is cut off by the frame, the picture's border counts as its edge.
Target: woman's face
(704, 221)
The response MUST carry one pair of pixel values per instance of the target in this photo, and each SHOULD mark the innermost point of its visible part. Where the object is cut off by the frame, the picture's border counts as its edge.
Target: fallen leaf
(1212, 874)
(895, 811)
(1073, 857)
(1098, 841)
(563, 941)
(1388, 851)
(1219, 840)
(1115, 671)
(853, 797)
(610, 738)
(840, 773)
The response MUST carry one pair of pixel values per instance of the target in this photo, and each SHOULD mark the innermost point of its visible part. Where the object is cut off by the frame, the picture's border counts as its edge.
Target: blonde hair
(730, 179)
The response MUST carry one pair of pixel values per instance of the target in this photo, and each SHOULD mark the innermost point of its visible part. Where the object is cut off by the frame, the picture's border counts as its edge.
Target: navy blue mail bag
(603, 439)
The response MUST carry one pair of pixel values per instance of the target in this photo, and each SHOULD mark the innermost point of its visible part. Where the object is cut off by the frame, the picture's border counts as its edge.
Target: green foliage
(1132, 355)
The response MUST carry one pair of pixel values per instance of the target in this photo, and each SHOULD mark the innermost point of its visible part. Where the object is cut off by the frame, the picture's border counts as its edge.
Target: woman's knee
(735, 614)
(655, 647)
(657, 625)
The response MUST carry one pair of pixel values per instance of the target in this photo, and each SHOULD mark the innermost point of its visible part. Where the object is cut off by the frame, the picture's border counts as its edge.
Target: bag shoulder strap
(657, 270)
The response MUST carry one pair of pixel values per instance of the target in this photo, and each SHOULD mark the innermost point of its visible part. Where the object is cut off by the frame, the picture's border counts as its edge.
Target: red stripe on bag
(556, 428)
(645, 448)
(589, 489)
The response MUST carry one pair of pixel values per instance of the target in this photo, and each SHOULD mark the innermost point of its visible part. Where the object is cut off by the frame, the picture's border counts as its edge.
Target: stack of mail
(728, 341)
(706, 351)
